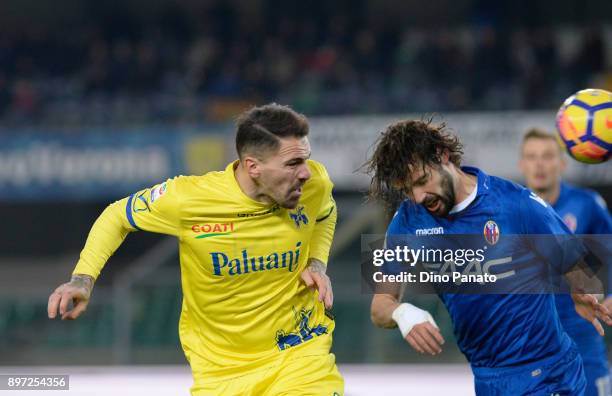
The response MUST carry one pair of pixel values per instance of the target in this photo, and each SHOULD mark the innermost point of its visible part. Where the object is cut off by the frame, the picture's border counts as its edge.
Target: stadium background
(100, 99)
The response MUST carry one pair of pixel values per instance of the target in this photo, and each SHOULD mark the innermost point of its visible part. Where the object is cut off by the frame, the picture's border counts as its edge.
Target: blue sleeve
(549, 236)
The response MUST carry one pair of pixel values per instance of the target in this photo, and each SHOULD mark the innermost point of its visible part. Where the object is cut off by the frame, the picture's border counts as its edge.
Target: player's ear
(252, 166)
(445, 157)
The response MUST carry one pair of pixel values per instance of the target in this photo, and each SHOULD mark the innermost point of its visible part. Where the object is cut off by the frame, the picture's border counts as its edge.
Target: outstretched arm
(154, 209)
(106, 235)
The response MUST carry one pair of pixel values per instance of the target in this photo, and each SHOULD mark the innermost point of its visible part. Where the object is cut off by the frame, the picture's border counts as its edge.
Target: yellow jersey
(243, 299)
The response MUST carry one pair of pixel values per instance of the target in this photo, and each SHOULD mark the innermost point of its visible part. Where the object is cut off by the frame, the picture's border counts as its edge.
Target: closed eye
(294, 162)
(421, 181)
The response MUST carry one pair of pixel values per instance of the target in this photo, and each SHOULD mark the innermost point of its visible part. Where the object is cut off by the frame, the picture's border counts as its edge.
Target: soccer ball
(584, 124)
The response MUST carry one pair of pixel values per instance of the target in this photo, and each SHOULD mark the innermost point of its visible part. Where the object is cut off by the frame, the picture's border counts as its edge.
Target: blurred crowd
(187, 68)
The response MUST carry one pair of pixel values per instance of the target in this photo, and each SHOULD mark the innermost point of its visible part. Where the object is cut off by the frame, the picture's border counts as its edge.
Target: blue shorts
(557, 375)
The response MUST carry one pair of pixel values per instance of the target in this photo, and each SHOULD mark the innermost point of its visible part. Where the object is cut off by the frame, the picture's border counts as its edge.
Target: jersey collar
(483, 180)
(466, 202)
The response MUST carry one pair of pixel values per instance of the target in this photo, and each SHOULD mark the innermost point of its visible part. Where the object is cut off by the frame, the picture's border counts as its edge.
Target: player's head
(417, 159)
(541, 161)
(272, 144)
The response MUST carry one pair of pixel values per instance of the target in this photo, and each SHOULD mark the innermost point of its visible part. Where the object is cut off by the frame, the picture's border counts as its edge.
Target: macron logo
(430, 231)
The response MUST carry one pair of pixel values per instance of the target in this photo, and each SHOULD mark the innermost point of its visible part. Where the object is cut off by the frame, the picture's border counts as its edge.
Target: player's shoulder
(507, 188)
(317, 170)
(584, 194)
(579, 192)
(186, 184)
(532, 201)
(319, 178)
(213, 177)
(516, 198)
(509, 194)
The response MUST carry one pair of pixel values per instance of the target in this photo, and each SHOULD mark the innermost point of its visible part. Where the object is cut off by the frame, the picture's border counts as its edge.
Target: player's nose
(418, 194)
(304, 173)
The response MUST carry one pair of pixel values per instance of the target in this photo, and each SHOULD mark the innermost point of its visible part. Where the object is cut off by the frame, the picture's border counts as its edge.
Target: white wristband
(407, 316)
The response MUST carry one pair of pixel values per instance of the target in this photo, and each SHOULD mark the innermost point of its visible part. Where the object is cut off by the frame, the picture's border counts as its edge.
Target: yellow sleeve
(155, 209)
(325, 225)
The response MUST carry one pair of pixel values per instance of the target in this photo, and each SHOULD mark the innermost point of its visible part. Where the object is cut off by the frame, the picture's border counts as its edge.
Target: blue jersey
(501, 330)
(584, 212)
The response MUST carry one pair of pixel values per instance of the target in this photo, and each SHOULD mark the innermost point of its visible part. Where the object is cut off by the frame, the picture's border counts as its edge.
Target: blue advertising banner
(101, 165)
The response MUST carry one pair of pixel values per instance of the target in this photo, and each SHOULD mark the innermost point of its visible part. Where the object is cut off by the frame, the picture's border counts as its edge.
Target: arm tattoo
(315, 265)
(83, 281)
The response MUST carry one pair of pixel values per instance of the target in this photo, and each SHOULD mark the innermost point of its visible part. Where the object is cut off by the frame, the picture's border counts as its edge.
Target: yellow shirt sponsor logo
(222, 264)
(210, 230)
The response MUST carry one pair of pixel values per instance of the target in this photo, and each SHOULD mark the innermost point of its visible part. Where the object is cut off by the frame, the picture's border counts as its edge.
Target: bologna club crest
(491, 232)
(570, 221)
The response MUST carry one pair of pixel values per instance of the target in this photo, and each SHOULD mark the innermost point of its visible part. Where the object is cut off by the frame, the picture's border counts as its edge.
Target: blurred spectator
(323, 57)
(590, 59)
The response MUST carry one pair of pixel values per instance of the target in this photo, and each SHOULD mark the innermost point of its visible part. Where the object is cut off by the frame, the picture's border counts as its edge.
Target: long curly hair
(403, 147)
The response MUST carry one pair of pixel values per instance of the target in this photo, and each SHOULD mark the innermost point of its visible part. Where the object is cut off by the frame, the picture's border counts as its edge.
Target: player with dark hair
(584, 212)
(254, 241)
(514, 342)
